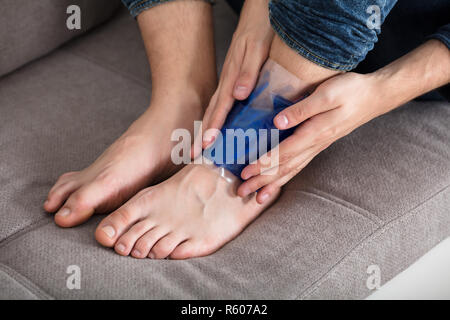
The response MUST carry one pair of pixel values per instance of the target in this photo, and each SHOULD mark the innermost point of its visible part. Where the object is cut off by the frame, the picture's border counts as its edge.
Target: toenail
(64, 212)
(151, 255)
(109, 231)
(120, 247)
(136, 252)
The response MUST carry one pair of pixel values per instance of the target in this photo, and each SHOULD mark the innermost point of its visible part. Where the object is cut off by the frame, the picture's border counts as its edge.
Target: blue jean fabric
(137, 6)
(335, 33)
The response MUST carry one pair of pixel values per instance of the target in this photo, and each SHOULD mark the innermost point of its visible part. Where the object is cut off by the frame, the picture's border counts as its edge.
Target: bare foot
(192, 214)
(140, 156)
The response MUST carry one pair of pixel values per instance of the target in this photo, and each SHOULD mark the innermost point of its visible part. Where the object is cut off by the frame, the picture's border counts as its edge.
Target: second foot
(138, 158)
(192, 214)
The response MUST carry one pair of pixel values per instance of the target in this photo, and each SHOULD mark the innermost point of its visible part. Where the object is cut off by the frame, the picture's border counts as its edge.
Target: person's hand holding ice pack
(338, 106)
(248, 51)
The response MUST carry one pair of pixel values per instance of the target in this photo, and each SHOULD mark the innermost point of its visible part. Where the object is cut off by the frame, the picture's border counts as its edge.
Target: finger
(210, 108)
(197, 147)
(253, 61)
(225, 97)
(290, 168)
(219, 114)
(323, 128)
(281, 154)
(318, 102)
(273, 187)
(255, 183)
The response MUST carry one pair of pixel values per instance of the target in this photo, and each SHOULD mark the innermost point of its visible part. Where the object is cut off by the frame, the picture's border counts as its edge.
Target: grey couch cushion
(30, 29)
(379, 196)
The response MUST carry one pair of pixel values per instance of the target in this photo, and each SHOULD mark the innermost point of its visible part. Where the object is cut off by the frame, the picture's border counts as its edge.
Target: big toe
(117, 223)
(80, 206)
(62, 189)
(187, 249)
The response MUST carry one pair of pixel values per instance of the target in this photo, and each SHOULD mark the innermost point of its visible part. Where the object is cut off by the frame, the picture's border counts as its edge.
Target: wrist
(384, 96)
(421, 70)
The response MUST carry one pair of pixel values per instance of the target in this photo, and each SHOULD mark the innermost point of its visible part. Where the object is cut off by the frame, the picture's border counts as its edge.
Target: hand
(337, 107)
(248, 51)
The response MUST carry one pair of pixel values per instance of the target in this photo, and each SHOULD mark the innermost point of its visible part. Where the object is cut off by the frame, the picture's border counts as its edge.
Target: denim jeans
(137, 6)
(338, 34)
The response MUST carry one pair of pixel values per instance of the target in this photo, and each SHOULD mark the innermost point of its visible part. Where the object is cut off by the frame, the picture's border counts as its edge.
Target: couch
(378, 198)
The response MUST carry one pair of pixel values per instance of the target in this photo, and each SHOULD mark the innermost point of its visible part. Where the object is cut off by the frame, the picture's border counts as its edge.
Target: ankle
(185, 96)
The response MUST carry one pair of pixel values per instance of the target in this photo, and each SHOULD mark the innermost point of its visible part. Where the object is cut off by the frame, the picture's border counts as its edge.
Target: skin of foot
(183, 80)
(183, 217)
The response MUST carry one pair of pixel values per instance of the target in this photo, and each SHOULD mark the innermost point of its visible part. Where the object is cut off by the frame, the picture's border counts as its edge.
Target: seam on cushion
(35, 225)
(108, 68)
(25, 283)
(356, 209)
(373, 236)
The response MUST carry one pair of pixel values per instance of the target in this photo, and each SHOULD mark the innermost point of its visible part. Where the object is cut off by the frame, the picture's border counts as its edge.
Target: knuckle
(327, 134)
(298, 113)
(307, 132)
(328, 97)
(142, 246)
(285, 170)
(246, 77)
(285, 157)
(124, 216)
(80, 199)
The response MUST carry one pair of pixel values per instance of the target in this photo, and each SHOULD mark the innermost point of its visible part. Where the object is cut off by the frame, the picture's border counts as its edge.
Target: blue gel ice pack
(225, 151)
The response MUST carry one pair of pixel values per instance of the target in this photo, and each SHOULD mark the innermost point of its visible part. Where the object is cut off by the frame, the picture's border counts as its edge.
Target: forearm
(178, 38)
(422, 70)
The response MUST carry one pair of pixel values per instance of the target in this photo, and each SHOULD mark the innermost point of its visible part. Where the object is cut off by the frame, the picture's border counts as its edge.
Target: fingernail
(120, 247)
(208, 138)
(281, 121)
(136, 252)
(64, 212)
(109, 231)
(151, 255)
(46, 202)
(263, 197)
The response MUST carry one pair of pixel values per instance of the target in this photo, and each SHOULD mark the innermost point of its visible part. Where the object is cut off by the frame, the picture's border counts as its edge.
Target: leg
(183, 79)
(185, 216)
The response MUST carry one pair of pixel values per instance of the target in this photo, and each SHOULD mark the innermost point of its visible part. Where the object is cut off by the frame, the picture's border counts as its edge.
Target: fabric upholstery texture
(30, 29)
(378, 196)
